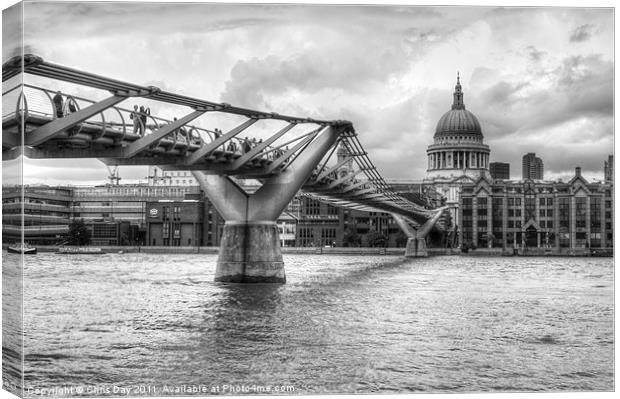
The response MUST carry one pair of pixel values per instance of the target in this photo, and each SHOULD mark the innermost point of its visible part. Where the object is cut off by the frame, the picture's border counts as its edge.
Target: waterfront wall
(357, 251)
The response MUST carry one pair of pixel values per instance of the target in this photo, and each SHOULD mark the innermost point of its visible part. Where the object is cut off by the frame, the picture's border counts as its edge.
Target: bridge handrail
(33, 64)
(157, 121)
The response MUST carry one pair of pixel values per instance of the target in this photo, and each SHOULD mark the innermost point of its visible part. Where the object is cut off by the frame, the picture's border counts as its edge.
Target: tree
(401, 239)
(78, 233)
(376, 239)
(351, 238)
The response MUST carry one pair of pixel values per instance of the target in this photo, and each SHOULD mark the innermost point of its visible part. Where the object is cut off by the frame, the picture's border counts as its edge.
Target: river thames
(154, 324)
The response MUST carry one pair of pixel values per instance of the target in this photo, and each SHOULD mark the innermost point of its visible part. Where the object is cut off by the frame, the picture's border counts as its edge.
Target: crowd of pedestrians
(139, 117)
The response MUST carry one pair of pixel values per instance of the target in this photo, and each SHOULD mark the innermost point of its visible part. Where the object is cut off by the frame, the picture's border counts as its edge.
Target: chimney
(578, 171)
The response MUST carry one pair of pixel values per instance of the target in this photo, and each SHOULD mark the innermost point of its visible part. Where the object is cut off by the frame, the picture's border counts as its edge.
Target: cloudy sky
(538, 79)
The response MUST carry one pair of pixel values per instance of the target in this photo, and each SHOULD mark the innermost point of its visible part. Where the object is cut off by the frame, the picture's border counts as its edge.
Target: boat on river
(22, 249)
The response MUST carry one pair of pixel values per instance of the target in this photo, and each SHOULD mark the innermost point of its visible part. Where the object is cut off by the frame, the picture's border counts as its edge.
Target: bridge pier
(250, 245)
(416, 248)
(250, 253)
(416, 234)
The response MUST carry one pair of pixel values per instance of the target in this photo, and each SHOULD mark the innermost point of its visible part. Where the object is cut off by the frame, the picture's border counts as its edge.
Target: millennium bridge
(299, 155)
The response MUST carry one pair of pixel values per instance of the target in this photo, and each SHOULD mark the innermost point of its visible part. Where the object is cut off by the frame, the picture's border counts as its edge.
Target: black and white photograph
(241, 198)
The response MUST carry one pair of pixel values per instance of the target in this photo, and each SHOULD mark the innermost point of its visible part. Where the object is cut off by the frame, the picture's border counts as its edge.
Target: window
(166, 230)
(328, 236)
(498, 212)
(312, 206)
(595, 214)
(306, 237)
(580, 212)
(530, 207)
(564, 209)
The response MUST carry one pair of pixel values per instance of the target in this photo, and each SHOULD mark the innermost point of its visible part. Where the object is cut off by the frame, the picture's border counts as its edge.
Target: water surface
(350, 324)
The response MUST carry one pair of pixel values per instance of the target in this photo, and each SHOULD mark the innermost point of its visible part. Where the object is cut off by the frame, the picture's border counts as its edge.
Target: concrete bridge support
(416, 248)
(250, 245)
(416, 236)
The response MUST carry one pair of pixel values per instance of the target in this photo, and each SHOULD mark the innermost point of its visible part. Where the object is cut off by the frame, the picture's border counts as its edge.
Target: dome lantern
(458, 94)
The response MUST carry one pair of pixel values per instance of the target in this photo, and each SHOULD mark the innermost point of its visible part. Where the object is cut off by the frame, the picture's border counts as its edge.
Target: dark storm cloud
(582, 33)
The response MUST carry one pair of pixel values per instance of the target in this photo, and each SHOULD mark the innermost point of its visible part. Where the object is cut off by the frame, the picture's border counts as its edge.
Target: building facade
(46, 212)
(532, 167)
(175, 223)
(500, 170)
(537, 214)
(608, 169)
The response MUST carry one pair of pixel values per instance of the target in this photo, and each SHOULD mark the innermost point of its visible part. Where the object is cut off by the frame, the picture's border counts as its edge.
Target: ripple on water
(341, 324)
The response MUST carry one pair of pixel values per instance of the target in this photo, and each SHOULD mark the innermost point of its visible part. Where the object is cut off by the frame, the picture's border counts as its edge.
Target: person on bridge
(183, 132)
(143, 114)
(72, 105)
(232, 146)
(136, 119)
(57, 100)
(246, 145)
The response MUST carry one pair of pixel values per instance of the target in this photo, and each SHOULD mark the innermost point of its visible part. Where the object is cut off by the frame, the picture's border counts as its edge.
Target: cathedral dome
(458, 147)
(458, 120)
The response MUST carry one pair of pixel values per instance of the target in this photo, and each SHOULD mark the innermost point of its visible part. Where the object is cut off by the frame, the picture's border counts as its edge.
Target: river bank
(606, 252)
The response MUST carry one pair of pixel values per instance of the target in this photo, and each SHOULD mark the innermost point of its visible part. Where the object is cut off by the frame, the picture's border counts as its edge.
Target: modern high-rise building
(532, 167)
(609, 169)
(500, 170)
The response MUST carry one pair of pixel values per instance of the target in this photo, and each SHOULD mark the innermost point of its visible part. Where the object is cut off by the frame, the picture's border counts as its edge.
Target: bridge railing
(28, 100)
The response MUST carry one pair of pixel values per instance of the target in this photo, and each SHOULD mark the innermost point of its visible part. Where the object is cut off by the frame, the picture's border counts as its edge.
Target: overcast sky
(538, 79)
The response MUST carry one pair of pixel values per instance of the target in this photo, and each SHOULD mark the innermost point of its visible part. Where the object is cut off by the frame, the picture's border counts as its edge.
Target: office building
(532, 167)
(46, 212)
(537, 214)
(500, 170)
(608, 168)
